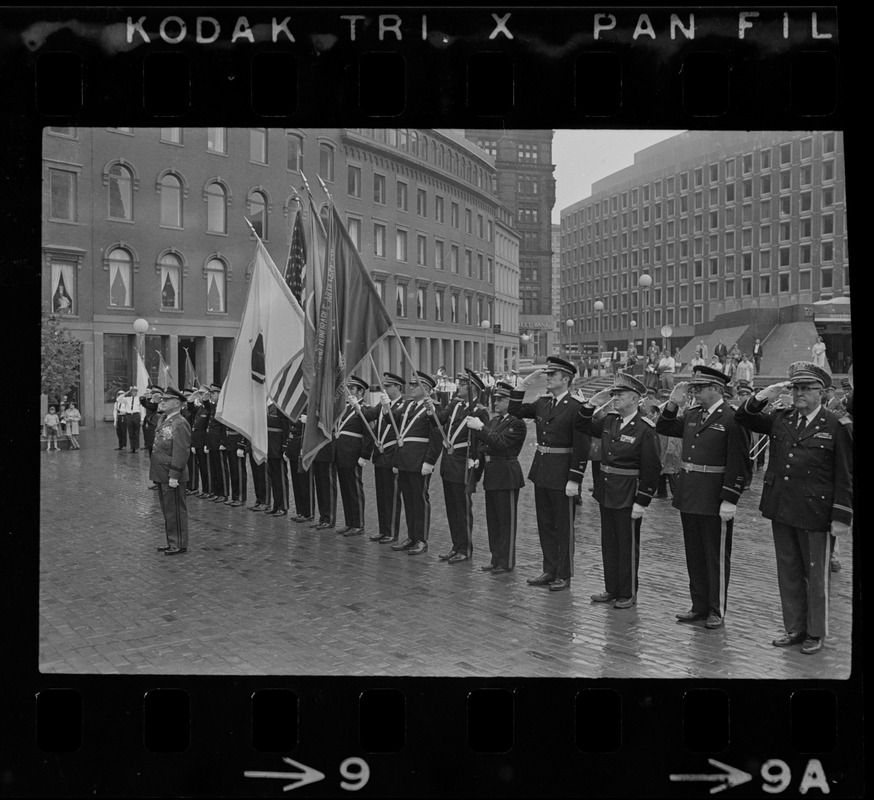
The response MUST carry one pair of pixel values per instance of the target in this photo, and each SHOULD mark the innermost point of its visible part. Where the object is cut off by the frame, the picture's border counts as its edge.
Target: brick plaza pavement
(260, 595)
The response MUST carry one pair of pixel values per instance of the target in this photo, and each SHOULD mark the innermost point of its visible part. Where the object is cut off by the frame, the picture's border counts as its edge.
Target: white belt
(689, 467)
(458, 446)
(406, 439)
(350, 433)
(542, 448)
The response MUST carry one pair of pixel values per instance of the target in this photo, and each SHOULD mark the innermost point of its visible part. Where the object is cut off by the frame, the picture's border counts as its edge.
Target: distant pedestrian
(758, 352)
(745, 370)
(818, 351)
(73, 418)
(119, 418)
(134, 420)
(52, 429)
(667, 367)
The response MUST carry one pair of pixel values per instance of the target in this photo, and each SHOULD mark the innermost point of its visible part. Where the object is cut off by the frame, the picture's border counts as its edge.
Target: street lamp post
(569, 324)
(599, 307)
(644, 282)
(485, 325)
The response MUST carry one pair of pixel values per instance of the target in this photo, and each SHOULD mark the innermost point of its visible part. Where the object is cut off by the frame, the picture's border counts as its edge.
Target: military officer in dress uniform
(353, 446)
(630, 467)
(188, 412)
(301, 480)
(199, 426)
(498, 444)
(457, 485)
(325, 481)
(235, 459)
(414, 460)
(277, 437)
(557, 469)
(214, 433)
(388, 493)
(715, 470)
(807, 495)
(169, 469)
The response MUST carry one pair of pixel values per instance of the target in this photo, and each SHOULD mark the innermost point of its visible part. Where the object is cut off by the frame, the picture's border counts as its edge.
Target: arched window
(433, 158)
(258, 213)
(120, 192)
(171, 201)
(424, 148)
(216, 285)
(414, 142)
(294, 158)
(440, 156)
(216, 208)
(120, 278)
(326, 162)
(171, 282)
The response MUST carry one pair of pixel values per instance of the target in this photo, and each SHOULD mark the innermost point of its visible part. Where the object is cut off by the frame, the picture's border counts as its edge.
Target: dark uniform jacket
(634, 447)
(294, 444)
(555, 429)
(171, 450)
(234, 441)
(352, 439)
(809, 482)
(498, 446)
(452, 418)
(421, 438)
(150, 415)
(718, 442)
(385, 432)
(277, 433)
(202, 416)
(215, 432)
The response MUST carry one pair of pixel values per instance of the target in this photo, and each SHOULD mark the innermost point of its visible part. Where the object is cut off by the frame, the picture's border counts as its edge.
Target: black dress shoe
(458, 558)
(446, 556)
(280, 512)
(323, 526)
(235, 503)
(174, 551)
(690, 616)
(714, 621)
(406, 544)
(559, 584)
(544, 580)
(375, 537)
(488, 567)
(812, 644)
(501, 570)
(343, 530)
(603, 597)
(387, 539)
(417, 549)
(219, 498)
(162, 549)
(353, 532)
(788, 639)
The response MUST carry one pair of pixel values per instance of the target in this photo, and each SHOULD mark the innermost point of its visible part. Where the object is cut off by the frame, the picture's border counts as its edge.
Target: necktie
(802, 423)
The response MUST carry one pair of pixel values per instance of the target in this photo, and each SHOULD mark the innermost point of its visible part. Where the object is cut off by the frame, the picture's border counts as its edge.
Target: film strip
(229, 734)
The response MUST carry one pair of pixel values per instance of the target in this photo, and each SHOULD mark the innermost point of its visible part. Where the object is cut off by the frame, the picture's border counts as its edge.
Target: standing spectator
(616, 360)
(489, 384)
(729, 367)
(758, 352)
(119, 418)
(73, 417)
(818, 351)
(666, 369)
(52, 428)
(702, 347)
(134, 420)
(443, 394)
(720, 351)
(631, 360)
(745, 370)
(698, 360)
(678, 363)
(734, 353)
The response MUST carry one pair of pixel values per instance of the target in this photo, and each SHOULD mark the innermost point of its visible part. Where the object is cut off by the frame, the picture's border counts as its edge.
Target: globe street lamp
(485, 325)
(569, 324)
(599, 307)
(644, 282)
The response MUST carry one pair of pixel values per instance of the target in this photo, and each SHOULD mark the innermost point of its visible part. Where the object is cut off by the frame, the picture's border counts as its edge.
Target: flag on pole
(164, 373)
(143, 380)
(313, 289)
(352, 321)
(191, 379)
(270, 340)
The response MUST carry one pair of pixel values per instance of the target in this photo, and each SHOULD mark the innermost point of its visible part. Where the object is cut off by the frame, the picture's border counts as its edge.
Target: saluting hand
(528, 380)
(599, 398)
(678, 394)
(773, 391)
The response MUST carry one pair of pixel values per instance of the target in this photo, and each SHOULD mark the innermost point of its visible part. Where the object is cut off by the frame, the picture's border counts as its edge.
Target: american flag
(288, 391)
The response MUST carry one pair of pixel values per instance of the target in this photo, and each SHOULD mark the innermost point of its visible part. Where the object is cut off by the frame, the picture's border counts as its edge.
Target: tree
(60, 358)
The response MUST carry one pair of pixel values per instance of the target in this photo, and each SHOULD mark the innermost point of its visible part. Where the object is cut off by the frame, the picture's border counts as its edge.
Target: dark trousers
(388, 501)
(415, 491)
(352, 494)
(204, 470)
(596, 473)
(175, 512)
(555, 520)
(148, 438)
(459, 514)
(325, 476)
(217, 473)
(192, 470)
(121, 430)
(803, 576)
(277, 470)
(235, 467)
(501, 505)
(133, 431)
(620, 551)
(757, 360)
(302, 484)
(259, 480)
(708, 561)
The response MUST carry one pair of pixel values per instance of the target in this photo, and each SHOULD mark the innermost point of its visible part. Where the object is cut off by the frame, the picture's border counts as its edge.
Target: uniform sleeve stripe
(842, 508)
(729, 489)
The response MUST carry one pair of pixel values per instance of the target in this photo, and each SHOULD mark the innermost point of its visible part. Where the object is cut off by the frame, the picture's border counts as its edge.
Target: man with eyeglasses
(714, 471)
(807, 495)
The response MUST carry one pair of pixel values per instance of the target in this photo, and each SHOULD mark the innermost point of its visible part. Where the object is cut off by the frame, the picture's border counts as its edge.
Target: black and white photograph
(445, 402)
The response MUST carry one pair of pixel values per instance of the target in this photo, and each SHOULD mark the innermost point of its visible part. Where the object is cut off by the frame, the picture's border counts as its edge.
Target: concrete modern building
(742, 235)
(150, 223)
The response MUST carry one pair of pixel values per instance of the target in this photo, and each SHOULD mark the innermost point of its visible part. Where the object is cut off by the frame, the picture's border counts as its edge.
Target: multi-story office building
(151, 223)
(742, 232)
(525, 185)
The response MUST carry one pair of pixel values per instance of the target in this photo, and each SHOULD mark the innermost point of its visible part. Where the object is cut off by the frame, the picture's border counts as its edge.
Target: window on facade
(421, 300)
(353, 181)
(468, 316)
(527, 151)
(216, 281)
(379, 189)
(765, 260)
(378, 240)
(294, 157)
(217, 140)
(468, 221)
(468, 263)
(805, 228)
(326, 162)
(353, 225)
(171, 135)
(438, 306)
(401, 300)
(828, 224)
(453, 258)
(439, 208)
(438, 255)
(826, 279)
(828, 251)
(785, 180)
(804, 282)
(828, 170)
(171, 282)
(804, 254)
(729, 168)
(453, 308)
(422, 202)
(216, 208)
(63, 195)
(401, 246)
(422, 250)
(785, 205)
(380, 289)
(171, 201)
(783, 282)
(785, 154)
(402, 196)
(784, 257)
(806, 175)
(258, 213)
(258, 145)
(120, 192)
(729, 193)
(63, 287)
(828, 143)
(766, 184)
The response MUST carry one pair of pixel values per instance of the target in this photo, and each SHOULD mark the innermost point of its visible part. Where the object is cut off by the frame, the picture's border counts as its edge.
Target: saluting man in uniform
(353, 445)
(807, 495)
(557, 469)
(498, 444)
(714, 471)
(214, 434)
(414, 461)
(453, 466)
(235, 455)
(630, 468)
(199, 425)
(169, 469)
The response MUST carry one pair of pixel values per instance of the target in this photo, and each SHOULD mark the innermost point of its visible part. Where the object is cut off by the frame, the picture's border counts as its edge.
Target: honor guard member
(498, 444)
(214, 434)
(385, 478)
(301, 480)
(630, 467)
(199, 426)
(714, 471)
(277, 437)
(414, 459)
(325, 481)
(188, 413)
(134, 420)
(557, 469)
(807, 495)
(169, 469)
(119, 417)
(151, 417)
(458, 480)
(235, 457)
(353, 446)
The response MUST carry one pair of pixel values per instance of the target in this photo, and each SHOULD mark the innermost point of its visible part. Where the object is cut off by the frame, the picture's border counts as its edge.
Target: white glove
(475, 423)
(471, 464)
(840, 529)
(427, 468)
(385, 400)
(241, 453)
(353, 401)
(174, 482)
(302, 418)
(222, 447)
(727, 510)
(205, 449)
(637, 511)
(572, 489)
(395, 470)
(362, 462)
(193, 449)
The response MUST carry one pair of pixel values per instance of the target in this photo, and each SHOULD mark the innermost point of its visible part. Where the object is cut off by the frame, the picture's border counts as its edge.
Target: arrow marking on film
(729, 778)
(302, 778)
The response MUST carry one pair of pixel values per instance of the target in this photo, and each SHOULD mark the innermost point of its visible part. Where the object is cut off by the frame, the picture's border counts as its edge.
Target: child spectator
(52, 426)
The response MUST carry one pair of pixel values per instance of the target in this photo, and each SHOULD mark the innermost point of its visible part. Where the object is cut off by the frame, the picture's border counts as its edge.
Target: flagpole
(389, 413)
(357, 407)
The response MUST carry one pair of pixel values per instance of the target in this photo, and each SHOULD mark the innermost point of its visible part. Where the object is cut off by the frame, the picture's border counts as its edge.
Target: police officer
(715, 470)
(301, 479)
(151, 416)
(188, 412)
(353, 446)
(199, 425)
(557, 469)
(236, 447)
(414, 461)
(277, 437)
(807, 494)
(498, 444)
(325, 481)
(457, 479)
(630, 468)
(169, 469)
(214, 436)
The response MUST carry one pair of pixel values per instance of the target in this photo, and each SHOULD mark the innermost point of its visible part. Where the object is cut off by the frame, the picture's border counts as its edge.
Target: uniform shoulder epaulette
(648, 421)
(845, 420)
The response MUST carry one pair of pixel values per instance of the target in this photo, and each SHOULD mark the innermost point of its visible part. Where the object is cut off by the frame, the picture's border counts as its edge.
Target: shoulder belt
(845, 420)
(648, 421)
